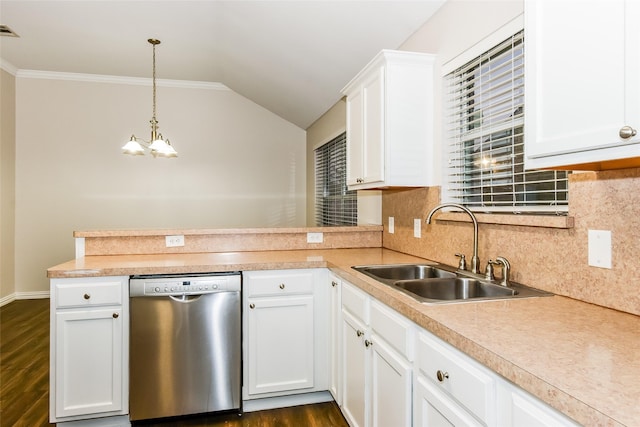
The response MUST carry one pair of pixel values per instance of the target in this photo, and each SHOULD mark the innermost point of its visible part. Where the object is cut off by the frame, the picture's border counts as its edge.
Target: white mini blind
(485, 125)
(335, 205)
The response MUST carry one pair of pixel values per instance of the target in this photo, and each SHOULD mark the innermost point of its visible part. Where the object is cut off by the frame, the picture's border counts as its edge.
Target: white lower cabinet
(432, 407)
(285, 332)
(377, 375)
(453, 387)
(395, 373)
(89, 348)
(518, 408)
(356, 361)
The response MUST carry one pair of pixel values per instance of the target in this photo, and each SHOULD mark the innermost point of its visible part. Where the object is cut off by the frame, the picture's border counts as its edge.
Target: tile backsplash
(552, 259)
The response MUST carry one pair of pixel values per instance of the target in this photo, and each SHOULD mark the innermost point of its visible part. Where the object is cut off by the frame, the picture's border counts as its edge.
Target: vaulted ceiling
(291, 57)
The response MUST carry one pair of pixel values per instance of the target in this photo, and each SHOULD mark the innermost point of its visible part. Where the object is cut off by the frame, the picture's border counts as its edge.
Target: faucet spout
(475, 262)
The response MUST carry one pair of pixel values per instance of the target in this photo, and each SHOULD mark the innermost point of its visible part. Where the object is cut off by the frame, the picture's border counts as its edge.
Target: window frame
(459, 164)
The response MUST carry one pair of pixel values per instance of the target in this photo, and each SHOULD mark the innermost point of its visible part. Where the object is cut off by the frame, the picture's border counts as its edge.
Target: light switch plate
(174, 241)
(392, 226)
(314, 237)
(417, 227)
(600, 248)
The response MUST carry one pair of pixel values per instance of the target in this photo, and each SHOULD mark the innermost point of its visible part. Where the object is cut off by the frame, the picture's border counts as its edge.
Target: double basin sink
(438, 284)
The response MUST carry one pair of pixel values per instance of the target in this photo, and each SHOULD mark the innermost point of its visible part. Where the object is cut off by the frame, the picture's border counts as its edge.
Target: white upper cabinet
(390, 122)
(582, 81)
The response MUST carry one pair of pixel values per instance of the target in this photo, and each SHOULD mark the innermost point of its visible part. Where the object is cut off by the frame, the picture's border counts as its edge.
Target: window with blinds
(335, 205)
(485, 125)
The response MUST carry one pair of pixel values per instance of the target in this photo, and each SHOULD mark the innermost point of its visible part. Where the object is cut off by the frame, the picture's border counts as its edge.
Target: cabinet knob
(87, 296)
(252, 306)
(334, 284)
(627, 132)
(359, 333)
(116, 315)
(281, 285)
(368, 343)
(442, 375)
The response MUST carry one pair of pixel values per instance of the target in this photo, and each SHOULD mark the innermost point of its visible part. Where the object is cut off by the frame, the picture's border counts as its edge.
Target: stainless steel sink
(451, 289)
(440, 284)
(404, 271)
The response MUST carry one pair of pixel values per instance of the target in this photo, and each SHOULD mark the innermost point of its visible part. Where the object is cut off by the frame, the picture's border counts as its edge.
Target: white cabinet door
(88, 361)
(356, 362)
(391, 384)
(280, 344)
(335, 332)
(374, 125)
(432, 408)
(355, 137)
(582, 82)
(365, 131)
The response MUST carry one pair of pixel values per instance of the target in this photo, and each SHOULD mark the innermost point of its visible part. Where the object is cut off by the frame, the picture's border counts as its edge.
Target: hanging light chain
(154, 121)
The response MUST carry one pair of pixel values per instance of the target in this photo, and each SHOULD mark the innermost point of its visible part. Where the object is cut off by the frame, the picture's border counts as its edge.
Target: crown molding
(99, 78)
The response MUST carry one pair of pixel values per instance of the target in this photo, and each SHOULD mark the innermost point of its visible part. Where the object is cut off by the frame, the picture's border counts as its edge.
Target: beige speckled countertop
(580, 358)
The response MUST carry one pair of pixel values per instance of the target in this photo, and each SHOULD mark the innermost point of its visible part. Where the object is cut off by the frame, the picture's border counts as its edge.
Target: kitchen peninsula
(579, 358)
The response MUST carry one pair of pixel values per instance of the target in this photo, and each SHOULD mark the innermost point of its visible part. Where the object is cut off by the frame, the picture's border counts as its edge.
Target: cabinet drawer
(464, 379)
(355, 302)
(395, 329)
(278, 282)
(88, 294)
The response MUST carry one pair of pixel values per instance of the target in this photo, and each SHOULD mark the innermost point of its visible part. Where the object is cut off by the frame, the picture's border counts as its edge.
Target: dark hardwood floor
(24, 381)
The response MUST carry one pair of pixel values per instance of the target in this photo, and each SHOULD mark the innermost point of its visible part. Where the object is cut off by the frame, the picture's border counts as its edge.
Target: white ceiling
(291, 57)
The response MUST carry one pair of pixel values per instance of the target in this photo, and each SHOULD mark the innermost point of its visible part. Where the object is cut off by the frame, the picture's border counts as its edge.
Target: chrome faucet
(475, 262)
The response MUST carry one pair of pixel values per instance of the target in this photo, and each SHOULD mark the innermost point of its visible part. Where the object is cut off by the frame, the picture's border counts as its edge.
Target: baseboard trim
(6, 300)
(23, 295)
(286, 401)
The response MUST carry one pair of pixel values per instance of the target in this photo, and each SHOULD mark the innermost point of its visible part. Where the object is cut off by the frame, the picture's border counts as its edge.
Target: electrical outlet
(392, 227)
(600, 248)
(417, 227)
(314, 237)
(174, 241)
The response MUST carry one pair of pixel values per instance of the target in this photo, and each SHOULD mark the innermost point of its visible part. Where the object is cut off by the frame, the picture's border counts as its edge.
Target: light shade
(162, 148)
(133, 147)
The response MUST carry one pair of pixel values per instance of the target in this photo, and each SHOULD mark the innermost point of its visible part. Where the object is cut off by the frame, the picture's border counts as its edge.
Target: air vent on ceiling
(6, 31)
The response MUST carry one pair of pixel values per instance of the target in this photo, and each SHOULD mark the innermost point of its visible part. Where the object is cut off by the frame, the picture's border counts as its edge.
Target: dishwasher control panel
(191, 285)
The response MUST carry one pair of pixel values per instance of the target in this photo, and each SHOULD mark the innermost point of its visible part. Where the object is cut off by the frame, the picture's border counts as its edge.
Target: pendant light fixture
(158, 146)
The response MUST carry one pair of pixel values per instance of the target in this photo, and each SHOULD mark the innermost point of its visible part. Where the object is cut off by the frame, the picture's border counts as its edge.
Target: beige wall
(331, 124)
(239, 165)
(7, 184)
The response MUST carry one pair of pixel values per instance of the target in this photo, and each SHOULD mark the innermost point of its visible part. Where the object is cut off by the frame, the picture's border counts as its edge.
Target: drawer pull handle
(368, 343)
(87, 296)
(252, 306)
(359, 333)
(442, 375)
(281, 285)
(116, 315)
(627, 132)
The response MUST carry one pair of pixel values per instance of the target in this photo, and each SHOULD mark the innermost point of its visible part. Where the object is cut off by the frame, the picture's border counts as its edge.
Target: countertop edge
(222, 231)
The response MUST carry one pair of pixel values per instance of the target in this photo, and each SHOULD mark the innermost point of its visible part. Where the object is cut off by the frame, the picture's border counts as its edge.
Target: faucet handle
(489, 271)
(506, 268)
(462, 265)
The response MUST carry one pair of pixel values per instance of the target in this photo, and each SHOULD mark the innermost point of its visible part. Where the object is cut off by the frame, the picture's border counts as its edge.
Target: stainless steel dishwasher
(185, 345)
